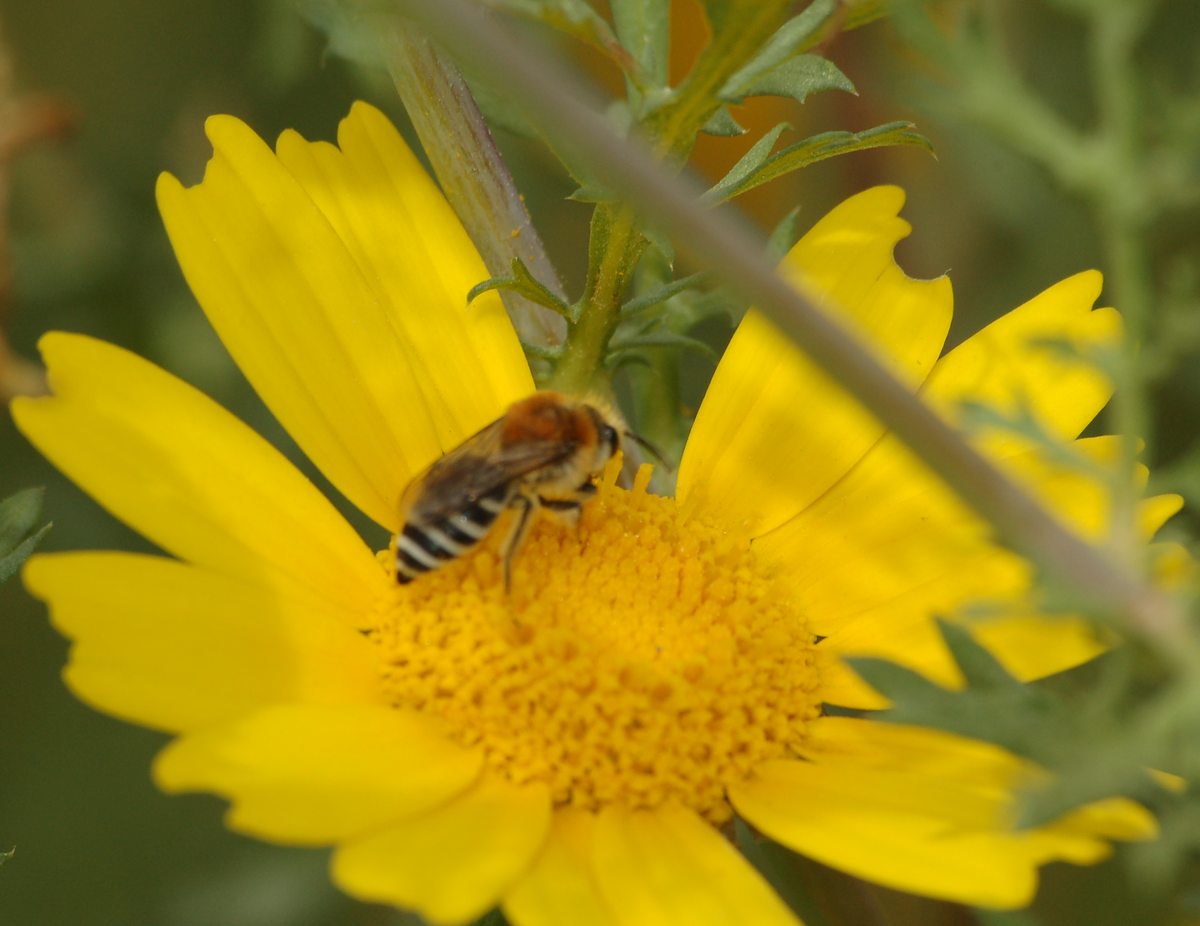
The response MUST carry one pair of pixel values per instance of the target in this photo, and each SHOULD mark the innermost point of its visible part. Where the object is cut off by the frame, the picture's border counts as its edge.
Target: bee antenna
(648, 447)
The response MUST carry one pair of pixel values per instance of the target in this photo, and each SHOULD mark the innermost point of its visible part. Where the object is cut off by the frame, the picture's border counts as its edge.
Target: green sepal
(18, 515)
(810, 151)
(661, 294)
(722, 124)
(523, 282)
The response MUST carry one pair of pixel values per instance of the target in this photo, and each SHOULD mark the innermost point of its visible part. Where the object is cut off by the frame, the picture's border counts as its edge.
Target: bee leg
(565, 509)
(517, 535)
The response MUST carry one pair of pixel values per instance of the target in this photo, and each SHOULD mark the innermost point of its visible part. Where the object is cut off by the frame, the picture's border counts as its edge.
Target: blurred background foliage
(124, 87)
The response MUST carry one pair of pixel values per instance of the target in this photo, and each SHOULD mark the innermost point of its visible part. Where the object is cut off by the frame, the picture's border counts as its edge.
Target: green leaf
(643, 30)
(523, 282)
(784, 235)
(810, 151)
(661, 339)
(722, 124)
(12, 561)
(780, 867)
(798, 34)
(799, 78)
(18, 515)
(749, 163)
(575, 18)
(660, 243)
(994, 706)
(658, 296)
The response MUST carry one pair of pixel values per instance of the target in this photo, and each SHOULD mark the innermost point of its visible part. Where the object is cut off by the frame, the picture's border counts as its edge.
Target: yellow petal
(560, 888)
(665, 866)
(1016, 363)
(337, 350)
(190, 477)
(421, 263)
(773, 433)
(920, 811)
(312, 775)
(455, 863)
(1040, 358)
(177, 647)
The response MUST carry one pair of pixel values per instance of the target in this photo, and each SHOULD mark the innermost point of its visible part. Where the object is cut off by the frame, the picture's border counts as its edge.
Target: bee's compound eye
(609, 438)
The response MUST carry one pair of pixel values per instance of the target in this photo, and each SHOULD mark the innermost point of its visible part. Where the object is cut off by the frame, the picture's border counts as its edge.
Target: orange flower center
(640, 658)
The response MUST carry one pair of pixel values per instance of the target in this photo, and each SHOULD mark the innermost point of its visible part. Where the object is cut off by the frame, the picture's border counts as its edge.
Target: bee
(544, 453)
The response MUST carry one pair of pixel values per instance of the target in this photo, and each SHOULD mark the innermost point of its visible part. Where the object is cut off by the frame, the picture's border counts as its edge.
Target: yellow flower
(569, 751)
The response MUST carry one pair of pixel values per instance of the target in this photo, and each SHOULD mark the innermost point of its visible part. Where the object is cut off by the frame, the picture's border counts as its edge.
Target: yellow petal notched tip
(768, 405)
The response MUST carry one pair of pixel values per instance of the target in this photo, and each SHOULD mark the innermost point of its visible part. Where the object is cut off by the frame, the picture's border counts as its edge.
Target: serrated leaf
(722, 124)
(811, 150)
(994, 706)
(18, 515)
(798, 78)
(798, 34)
(643, 30)
(750, 162)
(523, 282)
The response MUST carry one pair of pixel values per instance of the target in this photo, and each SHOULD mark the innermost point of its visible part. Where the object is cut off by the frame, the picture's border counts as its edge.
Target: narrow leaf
(663, 339)
(798, 34)
(13, 560)
(643, 30)
(810, 151)
(18, 515)
(785, 234)
(575, 18)
(749, 163)
(661, 294)
(523, 282)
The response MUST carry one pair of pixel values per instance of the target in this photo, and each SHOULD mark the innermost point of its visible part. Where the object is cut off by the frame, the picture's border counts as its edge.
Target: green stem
(1119, 200)
(616, 242)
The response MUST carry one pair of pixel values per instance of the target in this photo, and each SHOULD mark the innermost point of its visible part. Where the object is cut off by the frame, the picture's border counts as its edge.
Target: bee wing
(475, 468)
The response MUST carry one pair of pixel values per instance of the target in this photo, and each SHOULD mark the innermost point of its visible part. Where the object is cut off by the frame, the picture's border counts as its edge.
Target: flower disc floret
(638, 659)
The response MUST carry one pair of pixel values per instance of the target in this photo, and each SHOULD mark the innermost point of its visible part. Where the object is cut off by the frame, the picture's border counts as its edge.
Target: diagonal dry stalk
(715, 239)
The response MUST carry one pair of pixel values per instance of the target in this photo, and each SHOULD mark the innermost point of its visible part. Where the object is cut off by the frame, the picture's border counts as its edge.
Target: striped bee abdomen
(422, 547)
